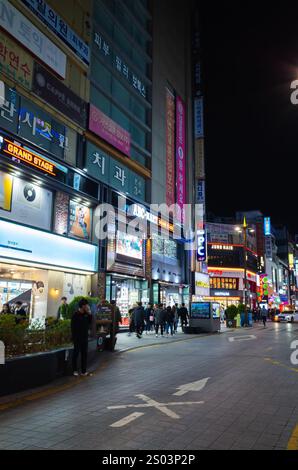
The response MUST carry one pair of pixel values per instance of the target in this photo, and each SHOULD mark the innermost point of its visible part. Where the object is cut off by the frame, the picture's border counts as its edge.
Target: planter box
(35, 370)
(231, 323)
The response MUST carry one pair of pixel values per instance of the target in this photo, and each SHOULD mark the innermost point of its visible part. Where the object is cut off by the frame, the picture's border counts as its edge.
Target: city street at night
(248, 402)
(148, 232)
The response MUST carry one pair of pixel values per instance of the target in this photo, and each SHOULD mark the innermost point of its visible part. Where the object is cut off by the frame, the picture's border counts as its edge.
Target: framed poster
(79, 221)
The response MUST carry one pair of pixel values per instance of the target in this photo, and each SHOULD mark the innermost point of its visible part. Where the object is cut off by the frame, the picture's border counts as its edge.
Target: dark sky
(251, 127)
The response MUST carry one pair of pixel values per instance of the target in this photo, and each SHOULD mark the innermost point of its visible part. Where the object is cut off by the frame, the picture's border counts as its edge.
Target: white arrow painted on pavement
(191, 387)
(242, 338)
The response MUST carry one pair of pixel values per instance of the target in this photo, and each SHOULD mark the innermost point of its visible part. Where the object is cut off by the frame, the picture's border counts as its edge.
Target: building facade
(97, 109)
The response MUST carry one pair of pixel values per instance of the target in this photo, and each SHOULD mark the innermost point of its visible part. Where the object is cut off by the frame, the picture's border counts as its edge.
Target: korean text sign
(180, 154)
(51, 19)
(108, 130)
(32, 38)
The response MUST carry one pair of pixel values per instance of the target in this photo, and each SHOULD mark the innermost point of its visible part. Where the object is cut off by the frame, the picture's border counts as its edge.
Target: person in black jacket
(138, 316)
(183, 314)
(80, 325)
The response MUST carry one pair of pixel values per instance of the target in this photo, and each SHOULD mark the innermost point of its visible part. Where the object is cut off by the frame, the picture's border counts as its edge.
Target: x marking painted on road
(150, 403)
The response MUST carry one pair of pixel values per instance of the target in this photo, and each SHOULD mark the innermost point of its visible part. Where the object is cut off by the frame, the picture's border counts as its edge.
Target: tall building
(98, 106)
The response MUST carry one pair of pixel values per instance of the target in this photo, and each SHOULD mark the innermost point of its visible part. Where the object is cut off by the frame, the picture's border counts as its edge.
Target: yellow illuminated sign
(28, 157)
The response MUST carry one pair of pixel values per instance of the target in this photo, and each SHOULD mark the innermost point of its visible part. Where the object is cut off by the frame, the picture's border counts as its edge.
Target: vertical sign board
(170, 148)
(201, 245)
(18, 26)
(180, 155)
(198, 115)
(267, 226)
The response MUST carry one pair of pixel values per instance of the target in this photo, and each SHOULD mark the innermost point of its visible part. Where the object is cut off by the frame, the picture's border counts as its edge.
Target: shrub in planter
(22, 338)
(13, 334)
(231, 313)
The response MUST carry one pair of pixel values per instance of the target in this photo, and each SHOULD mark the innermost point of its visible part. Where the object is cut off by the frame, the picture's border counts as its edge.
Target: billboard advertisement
(129, 246)
(24, 202)
(200, 310)
(202, 284)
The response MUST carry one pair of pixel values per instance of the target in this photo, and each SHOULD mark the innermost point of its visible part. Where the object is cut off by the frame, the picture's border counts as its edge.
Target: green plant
(231, 312)
(22, 338)
(241, 308)
(74, 304)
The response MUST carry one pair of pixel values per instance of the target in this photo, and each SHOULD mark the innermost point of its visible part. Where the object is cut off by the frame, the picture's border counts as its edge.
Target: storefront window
(127, 292)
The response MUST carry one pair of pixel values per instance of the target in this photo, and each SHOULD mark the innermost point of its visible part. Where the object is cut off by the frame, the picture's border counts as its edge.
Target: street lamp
(244, 229)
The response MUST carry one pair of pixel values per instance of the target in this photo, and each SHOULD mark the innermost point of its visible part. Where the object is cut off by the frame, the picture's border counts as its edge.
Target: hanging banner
(108, 130)
(170, 148)
(180, 155)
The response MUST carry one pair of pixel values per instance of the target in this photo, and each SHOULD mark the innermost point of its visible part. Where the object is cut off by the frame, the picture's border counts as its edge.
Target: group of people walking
(157, 318)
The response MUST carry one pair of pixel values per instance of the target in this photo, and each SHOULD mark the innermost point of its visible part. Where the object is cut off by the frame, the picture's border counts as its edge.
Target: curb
(70, 382)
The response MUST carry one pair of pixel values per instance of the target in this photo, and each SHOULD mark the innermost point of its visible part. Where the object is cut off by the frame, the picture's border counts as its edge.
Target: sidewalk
(125, 342)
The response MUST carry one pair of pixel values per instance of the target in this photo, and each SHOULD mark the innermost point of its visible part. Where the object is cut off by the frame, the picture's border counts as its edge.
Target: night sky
(251, 128)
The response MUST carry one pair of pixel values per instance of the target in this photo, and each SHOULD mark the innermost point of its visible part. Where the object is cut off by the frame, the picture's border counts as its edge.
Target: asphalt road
(155, 398)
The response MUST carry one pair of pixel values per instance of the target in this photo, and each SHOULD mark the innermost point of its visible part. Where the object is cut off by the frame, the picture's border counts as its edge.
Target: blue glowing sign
(201, 249)
(267, 226)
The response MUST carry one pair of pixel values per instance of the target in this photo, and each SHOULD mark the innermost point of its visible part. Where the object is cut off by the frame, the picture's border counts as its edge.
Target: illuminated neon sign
(17, 152)
(201, 249)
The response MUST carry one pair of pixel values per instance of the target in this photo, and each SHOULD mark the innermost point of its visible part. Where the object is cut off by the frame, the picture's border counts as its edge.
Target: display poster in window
(5, 191)
(30, 204)
(200, 310)
(130, 247)
(79, 221)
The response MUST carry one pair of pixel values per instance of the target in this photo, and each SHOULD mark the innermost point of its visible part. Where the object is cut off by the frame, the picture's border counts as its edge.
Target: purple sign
(180, 154)
(108, 130)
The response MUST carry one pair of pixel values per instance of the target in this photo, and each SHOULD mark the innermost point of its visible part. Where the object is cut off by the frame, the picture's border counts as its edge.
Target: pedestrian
(160, 315)
(131, 320)
(62, 309)
(19, 312)
(5, 310)
(264, 315)
(255, 314)
(80, 325)
(19, 309)
(176, 318)
(117, 315)
(169, 321)
(183, 314)
(139, 316)
(148, 318)
(258, 314)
